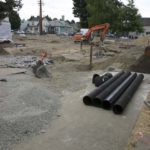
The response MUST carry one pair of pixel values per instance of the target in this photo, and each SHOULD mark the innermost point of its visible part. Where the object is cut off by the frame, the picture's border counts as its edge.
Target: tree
(31, 18)
(122, 18)
(131, 19)
(8, 6)
(102, 11)
(67, 21)
(80, 10)
(15, 20)
(73, 22)
(48, 18)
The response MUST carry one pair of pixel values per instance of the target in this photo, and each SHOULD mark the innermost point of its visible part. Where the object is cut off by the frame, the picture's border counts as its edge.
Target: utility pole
(40, 19)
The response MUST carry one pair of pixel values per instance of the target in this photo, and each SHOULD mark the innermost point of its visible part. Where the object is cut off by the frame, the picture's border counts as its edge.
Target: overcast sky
(57, 8)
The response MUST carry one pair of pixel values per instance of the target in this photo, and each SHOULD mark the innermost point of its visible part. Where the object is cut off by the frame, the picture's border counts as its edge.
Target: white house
(45, 25)
(33, 25)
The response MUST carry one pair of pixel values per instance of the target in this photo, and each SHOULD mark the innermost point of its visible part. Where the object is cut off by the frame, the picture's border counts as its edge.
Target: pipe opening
(106, 105)
(87, 100)
(96, 102)
(117, 109)
(94, 76)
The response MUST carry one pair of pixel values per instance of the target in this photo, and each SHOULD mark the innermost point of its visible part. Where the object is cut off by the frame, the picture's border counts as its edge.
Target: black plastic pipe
(87, 99)
(99, 98)
(112, 98)
(121, 104)
(98, 80)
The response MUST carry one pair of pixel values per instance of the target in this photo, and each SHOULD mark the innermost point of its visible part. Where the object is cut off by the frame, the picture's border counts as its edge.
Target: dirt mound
(147, 51)
(143, 65)
(3, 51)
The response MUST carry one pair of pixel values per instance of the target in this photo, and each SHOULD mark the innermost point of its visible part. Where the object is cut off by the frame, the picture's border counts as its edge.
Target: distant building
(146, 24)
(59, 27)
(45, 25)
(33, 25)
(24, 25)
(146, 27)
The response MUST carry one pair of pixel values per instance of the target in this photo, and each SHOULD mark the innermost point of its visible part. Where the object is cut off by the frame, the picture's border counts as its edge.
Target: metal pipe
(112, 98)
(100, 97)
(87, 99)
(121, 104)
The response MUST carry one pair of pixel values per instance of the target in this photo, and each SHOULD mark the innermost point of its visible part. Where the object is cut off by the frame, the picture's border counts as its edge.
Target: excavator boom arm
(103, 27)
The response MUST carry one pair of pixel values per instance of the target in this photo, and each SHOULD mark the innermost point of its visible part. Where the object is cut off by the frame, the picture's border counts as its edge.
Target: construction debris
(40, 70)
(21, 61)
(21, 72)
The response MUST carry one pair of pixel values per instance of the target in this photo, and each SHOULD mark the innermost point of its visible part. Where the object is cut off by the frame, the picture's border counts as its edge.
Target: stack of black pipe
(116, 92)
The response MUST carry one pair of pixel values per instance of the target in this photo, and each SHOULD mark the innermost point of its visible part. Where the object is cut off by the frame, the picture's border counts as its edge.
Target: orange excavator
(89, 34)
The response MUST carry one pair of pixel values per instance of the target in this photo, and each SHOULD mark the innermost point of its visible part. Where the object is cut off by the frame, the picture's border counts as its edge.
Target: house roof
(57, 23)
(34, 18)
(146, 21)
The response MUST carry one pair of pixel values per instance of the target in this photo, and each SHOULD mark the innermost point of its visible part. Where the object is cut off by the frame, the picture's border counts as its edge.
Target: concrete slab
(81, 127)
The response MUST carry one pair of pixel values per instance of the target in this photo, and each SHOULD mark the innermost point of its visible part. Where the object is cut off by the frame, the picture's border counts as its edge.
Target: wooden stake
(91, 56)
(81, 44)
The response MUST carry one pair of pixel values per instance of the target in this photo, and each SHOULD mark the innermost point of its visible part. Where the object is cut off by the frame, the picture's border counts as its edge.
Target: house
(146, 27)
(24, 25)
(33, 23)
(76, 27)
(45, 25)
(146, 24)
(60, 27)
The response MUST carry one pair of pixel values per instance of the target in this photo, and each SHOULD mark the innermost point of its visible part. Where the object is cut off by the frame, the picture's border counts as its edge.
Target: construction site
(48, 112)
(76, 91)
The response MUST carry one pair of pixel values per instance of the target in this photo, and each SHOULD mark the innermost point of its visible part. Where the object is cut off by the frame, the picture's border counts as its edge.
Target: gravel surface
(27, 107)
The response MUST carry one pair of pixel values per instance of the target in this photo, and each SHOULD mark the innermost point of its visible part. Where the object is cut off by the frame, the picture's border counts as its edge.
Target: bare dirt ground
(22, 118)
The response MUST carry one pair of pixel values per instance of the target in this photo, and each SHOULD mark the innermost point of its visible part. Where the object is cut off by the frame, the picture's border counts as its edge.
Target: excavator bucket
(147, 51)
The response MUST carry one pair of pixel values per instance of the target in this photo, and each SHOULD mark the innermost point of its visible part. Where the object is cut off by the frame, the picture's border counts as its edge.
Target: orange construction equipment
(87, 37)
